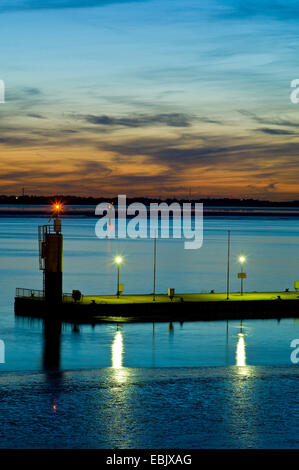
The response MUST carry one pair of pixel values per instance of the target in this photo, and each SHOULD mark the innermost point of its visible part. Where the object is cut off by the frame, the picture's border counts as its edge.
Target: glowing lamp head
(118, 260)
(242, 259)
(57, 207)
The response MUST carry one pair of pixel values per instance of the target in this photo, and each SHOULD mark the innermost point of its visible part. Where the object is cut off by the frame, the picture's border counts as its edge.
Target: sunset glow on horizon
(149, 98)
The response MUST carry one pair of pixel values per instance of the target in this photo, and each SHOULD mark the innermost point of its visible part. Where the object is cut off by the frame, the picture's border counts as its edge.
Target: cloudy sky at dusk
(150, 98)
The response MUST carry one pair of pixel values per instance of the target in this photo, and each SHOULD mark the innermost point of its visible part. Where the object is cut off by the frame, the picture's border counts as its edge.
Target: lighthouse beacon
(50, 257)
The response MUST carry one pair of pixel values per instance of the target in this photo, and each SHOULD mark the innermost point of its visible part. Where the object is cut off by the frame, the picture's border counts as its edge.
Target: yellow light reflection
(241, 352)
(243, 368)
(117, 349)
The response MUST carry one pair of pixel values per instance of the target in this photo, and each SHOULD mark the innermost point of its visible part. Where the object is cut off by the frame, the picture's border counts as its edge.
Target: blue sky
(149, 97)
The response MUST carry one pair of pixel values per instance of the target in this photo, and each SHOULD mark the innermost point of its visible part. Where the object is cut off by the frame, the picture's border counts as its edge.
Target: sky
(149, 98)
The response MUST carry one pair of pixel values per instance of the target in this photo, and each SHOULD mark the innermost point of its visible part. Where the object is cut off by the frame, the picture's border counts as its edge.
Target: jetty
(181, 307)
(51, 302)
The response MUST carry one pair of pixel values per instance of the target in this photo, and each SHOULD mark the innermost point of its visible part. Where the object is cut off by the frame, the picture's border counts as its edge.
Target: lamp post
(118, 261)
(242, 260)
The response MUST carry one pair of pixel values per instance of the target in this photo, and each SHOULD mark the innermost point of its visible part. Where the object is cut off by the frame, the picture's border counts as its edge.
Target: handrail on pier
(31, 293)
(38, 294)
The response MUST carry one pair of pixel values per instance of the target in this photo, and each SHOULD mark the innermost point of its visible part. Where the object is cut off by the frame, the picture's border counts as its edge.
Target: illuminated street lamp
(242, 275)
(118, 260)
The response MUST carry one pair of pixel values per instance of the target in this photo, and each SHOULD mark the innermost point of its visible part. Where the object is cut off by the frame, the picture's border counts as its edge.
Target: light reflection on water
(154, 408)
(241, 353)
(120, 373)
(117, 350)
(242, 366)
(121, 346)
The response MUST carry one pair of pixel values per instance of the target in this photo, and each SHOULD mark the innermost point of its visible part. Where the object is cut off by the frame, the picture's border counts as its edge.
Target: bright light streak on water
(120, 373)
(117, 351)
(241, 353)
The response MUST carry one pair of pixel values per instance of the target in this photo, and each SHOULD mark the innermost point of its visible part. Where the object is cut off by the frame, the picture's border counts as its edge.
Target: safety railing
(29, 293)
(38, 294)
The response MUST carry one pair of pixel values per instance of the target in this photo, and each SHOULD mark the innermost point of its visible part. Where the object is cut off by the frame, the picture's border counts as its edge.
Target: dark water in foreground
(230, 407)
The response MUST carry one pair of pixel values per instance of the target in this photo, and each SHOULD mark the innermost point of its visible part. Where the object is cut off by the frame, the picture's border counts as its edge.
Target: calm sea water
(196, 384)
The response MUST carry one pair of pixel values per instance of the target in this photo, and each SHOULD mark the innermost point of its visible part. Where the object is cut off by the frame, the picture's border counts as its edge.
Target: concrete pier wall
(152, 311)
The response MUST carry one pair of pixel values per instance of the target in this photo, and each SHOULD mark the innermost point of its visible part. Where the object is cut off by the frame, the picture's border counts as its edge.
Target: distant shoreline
(69, 200)
(39, 210)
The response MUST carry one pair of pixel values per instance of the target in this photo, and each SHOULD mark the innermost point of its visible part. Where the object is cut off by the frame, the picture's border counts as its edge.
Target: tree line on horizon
(81, 200)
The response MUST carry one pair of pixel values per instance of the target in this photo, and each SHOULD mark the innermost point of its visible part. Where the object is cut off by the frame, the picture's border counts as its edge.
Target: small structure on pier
(50, 257)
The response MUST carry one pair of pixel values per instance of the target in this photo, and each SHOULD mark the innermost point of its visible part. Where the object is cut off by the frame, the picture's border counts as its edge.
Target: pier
(182, 307)
(74, 307)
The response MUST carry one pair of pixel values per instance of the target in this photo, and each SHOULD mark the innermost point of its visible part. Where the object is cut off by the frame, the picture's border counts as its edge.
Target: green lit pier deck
(217, 297)
(183, 307)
